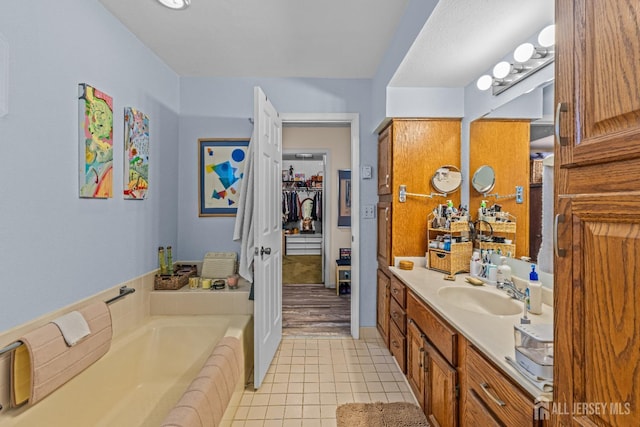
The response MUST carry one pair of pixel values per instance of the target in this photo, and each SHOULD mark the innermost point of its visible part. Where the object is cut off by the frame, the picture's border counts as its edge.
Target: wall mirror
(306, 207)
(484, 179)
(510, 138)
(447, 179)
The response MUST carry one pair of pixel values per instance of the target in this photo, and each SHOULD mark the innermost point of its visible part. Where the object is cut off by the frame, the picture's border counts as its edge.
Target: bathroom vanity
(455, 350)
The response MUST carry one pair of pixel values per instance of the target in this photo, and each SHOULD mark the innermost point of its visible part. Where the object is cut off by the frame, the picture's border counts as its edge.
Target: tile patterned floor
(311, 376)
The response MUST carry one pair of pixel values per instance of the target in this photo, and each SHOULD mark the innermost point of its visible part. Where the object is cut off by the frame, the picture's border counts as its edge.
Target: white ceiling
(331, 38)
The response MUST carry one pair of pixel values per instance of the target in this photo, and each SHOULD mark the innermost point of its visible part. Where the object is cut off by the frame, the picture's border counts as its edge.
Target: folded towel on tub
(73, 327)
(45, 361)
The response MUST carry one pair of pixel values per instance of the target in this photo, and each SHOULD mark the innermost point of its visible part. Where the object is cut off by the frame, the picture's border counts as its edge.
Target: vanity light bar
(527, 60)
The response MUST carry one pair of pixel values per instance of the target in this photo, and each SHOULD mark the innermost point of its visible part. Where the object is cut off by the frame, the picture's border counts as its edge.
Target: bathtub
(142, 376)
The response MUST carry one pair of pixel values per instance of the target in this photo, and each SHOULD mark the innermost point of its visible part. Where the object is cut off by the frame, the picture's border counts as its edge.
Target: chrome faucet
(512, 290)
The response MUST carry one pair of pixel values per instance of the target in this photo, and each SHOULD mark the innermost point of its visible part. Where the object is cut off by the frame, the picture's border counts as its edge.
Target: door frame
(353, 120)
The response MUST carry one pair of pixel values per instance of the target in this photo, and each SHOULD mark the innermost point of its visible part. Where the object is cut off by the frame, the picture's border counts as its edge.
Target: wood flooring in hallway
(309, 309)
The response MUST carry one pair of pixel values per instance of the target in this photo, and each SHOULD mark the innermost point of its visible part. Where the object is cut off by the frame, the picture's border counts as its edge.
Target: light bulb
(484, 82)
(175, 4)
(524, 52)
(501, 70)
(547, 36)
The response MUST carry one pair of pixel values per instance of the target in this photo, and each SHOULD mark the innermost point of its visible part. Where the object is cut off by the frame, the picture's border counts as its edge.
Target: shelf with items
(449, 248)
(502, 234)
(343, 279)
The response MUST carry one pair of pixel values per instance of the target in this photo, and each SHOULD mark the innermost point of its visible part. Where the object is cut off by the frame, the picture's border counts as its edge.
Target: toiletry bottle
(161, 261)
(504, 271)
(169, 261)
(534, 292)
(474, 267)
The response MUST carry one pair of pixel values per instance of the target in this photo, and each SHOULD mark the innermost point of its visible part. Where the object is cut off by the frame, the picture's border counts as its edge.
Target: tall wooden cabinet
(409, 153)
(597, 267)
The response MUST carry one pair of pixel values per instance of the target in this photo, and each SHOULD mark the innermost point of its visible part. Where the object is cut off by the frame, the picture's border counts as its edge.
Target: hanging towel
(545, 254)
(44, 362)
(73, 327)
(243, 230)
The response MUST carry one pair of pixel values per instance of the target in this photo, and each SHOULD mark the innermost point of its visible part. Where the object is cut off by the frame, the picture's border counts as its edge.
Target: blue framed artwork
(221, 170)
(344, 198)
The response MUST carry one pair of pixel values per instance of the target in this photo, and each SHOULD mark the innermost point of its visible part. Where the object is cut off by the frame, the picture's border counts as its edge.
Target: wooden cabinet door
(384, 160)
(416, 361)
(598, 78)
(384, 284)
(597, 317)
(441, 390)
(384, 233)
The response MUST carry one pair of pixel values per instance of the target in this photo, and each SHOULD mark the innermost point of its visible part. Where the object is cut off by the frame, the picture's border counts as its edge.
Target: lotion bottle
(534, 292)
(504, 271)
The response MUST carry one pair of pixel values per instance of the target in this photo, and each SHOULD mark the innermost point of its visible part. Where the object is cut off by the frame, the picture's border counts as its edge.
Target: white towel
(73, 326)
(541, 383)
(545, 254)
(243, 230)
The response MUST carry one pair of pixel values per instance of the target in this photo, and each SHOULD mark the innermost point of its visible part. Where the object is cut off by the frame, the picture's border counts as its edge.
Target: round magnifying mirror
(484, 179)
(447, 179)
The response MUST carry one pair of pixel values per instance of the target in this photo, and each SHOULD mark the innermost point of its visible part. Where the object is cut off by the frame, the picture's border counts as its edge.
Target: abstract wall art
(95, 116)
(136, 154)
(344, 198)
(221, 164)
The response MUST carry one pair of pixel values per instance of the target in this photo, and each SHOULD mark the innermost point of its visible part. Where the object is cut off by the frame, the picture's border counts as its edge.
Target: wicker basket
(175, 281)
(453, 262)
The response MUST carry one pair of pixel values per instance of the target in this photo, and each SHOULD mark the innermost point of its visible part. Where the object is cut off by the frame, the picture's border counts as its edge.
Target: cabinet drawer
(476, 413)
(398, 291)
(398, 346)
(441, 335)
(510, 405)
(398, 315)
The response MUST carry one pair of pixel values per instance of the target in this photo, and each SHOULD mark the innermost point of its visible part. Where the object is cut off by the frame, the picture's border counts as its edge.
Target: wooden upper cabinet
(384, 161)
(598, 76)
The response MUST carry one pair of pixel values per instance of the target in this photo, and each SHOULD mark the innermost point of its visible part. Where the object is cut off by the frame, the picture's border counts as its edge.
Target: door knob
(264, 250)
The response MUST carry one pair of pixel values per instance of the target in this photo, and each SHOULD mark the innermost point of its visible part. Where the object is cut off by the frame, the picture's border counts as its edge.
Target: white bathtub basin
(139, 380)
(480, 300)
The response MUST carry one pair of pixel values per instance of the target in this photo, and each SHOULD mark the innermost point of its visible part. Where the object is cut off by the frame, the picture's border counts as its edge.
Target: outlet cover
(368, 211)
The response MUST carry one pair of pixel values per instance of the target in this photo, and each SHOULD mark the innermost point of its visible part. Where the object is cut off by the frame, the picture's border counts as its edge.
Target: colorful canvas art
(95, 115)
(136, 153)
(221, 171)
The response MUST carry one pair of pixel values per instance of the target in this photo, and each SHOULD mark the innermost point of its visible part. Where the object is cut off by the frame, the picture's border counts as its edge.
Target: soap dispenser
(504, 271)
(534, 292)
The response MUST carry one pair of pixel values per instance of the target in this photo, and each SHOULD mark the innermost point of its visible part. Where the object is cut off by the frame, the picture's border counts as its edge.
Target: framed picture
(221, 170)
(344, 198)
(136, 154)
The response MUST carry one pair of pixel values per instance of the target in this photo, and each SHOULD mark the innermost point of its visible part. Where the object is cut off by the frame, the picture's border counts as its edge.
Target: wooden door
(415, 361)
(384, 233)
(441, 390)
(384, 285)
(600, 351)
(384, 161)
(598, 51)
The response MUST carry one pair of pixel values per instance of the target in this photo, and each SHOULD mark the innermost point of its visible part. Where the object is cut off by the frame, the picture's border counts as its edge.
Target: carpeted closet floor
(298, 269)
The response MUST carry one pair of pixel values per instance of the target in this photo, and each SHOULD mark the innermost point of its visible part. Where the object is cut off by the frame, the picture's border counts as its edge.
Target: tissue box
(219, 265)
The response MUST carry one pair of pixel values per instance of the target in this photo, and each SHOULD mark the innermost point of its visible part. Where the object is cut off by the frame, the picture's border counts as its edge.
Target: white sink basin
(480, 301)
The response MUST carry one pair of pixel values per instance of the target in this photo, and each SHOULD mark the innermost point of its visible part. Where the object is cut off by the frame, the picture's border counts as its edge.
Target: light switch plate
(368, 211)
(367, 172)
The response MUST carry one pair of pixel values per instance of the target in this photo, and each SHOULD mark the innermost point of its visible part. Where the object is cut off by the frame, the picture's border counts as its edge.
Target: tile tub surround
(310, 377)
(492, 335)
(202, 301)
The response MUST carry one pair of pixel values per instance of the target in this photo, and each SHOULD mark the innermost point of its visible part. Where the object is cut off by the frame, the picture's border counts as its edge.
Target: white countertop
(491, 334)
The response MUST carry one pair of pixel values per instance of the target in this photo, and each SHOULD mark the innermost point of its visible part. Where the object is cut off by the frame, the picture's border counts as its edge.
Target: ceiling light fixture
(528, 59)
(175, 4)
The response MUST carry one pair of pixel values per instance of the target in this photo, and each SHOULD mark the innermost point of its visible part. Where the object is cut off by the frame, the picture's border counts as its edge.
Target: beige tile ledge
(202, 301)
(492, 335)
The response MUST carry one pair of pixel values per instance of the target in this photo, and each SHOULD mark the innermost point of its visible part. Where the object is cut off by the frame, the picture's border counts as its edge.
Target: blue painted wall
(56, 248)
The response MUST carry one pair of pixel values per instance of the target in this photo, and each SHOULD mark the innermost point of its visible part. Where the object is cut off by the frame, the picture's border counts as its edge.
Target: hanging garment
(243, 230)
